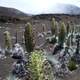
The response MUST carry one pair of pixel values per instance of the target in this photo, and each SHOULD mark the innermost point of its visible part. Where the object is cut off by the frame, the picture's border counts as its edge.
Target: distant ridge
(67, 9)
(15, 15)
(60, 8)
(12, 15)
(12, 12)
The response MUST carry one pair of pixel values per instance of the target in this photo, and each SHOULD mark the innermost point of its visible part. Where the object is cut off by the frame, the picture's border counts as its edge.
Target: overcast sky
(35, 6)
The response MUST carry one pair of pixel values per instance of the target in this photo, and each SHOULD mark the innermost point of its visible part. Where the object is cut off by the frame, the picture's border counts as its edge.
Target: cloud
(35, 6)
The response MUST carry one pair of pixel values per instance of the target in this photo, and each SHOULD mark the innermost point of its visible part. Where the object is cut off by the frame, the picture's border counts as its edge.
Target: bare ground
(5, 67)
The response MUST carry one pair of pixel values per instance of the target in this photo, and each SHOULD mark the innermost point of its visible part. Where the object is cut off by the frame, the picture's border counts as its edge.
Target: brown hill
(59, 17)
(12, 15)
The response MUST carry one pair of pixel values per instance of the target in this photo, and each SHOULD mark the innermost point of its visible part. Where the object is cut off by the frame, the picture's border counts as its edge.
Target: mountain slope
(67, 9)
(13, 15)
(12, 12)
(61, 8)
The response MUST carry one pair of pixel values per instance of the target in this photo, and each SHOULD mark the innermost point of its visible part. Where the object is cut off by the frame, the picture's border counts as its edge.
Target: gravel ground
(5, 67)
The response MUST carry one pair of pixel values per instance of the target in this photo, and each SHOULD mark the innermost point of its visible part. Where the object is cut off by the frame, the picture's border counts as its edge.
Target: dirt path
(5, 67)
(75, 75)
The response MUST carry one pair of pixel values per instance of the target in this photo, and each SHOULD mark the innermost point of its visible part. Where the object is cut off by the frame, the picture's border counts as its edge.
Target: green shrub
(36, 65)
(62, 34)
(40, 68)
(72, 65)
(7, 39)
(28, 35)
(53, 27)
(68, 28)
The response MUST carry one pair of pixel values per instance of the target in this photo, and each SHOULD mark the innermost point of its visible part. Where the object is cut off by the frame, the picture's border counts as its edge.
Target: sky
(35, 6)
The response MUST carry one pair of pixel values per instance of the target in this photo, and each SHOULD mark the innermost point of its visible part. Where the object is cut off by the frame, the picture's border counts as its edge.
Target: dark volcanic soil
(5, 67)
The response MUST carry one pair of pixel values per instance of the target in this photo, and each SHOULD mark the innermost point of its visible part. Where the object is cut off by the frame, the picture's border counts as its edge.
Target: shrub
(7, 38)
(53, 27)
(72, 65)
(68, 28)
(62, 34)
(28, 35)
(40, 68)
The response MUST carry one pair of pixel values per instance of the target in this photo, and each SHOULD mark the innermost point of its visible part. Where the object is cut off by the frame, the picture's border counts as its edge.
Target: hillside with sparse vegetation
(39, 47)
